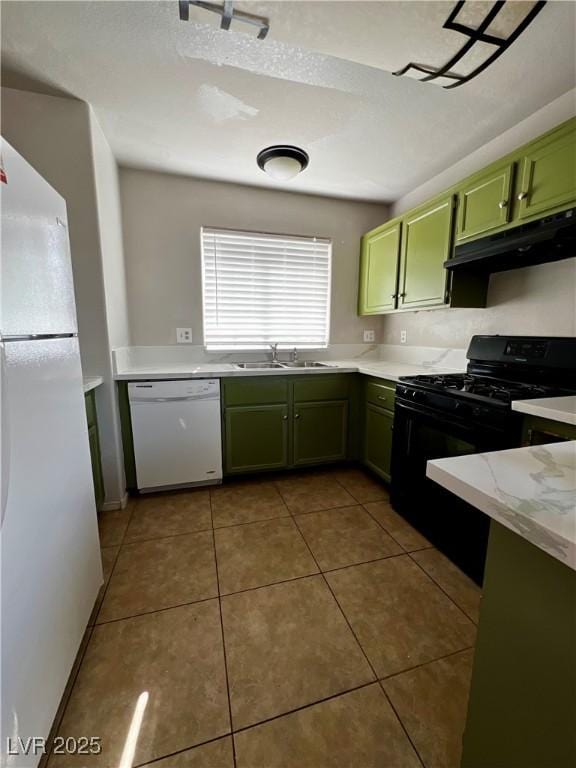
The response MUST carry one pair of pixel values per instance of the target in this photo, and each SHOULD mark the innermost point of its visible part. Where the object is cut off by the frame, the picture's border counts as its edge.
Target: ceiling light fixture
(228, 14)
(488, 31)
(282, 161)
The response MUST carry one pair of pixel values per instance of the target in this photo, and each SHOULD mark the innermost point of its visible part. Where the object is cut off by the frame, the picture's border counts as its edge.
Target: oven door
(452, 525)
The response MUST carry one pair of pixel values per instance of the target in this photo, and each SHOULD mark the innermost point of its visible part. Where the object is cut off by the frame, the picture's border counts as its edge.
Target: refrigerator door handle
(5, 432)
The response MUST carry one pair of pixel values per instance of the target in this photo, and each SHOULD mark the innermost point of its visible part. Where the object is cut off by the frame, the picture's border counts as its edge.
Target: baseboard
(122, 503)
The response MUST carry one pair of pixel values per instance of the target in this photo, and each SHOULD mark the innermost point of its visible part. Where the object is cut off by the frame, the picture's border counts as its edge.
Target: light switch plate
(403, 335)
(184, 335)
(369, 337)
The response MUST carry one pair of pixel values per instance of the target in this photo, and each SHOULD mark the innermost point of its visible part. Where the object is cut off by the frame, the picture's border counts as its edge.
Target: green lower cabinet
(94, 443)
(306, 425)
(320, 432)
(378, 440)
(256, 437)
(537, 431)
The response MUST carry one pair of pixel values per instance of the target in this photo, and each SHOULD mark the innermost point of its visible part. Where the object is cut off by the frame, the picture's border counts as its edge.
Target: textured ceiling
(188, 98)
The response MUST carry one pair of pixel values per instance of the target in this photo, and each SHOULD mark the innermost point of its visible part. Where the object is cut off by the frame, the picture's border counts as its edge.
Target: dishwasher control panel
(201, 389)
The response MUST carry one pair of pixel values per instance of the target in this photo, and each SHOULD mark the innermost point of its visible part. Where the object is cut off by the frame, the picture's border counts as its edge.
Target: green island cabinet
(276, 422)
(523, 691)
(401, 262)
(94, 441)
(379, 397)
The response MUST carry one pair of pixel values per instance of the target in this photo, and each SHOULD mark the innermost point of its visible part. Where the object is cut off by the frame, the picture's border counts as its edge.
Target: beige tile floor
(285, 622)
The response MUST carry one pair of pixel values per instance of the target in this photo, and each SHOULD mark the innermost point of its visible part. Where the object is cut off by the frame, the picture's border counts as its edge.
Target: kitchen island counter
(531, 491)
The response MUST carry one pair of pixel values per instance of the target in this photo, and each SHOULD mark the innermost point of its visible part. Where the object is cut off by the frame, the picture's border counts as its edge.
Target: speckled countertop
(91, 382)
(532, 491)
(379, 368)
(555, 408)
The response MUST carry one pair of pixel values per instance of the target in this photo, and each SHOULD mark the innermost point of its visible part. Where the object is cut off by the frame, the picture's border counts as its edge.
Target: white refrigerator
(50, 558)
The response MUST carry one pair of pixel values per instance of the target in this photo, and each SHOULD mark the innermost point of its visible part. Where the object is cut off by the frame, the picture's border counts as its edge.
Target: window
(264, 289)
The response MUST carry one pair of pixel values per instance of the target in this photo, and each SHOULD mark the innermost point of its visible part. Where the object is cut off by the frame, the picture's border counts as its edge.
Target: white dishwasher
(177, 432)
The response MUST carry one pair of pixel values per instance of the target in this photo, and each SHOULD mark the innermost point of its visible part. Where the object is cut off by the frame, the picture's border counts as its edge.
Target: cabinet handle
(502, 204)
(285, 418)
(402, 295)
(380, 397)
(522, 195)
(394, 296)
(296, 415)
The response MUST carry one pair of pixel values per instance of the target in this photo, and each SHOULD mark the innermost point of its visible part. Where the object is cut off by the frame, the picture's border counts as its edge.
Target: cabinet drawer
(381, 394)
(257, 390)
(308, 389)
(90, 408)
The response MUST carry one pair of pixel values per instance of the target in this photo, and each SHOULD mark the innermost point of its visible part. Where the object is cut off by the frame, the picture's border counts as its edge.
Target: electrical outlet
(369, 337)
(184, 335)
(403, 335)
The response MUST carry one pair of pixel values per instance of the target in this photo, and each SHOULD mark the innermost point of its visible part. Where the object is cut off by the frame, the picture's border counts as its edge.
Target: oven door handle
(443, 418)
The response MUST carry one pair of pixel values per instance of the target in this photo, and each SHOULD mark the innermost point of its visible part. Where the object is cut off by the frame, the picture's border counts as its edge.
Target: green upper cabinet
(426, 244)
(485, 202)
(379, 270)
(548, 173)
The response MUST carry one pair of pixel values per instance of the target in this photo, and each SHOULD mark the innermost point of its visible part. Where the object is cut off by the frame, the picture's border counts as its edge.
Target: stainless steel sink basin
(266, 365)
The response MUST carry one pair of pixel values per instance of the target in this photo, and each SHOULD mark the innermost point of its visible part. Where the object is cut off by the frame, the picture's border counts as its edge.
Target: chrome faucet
(294, 355)
(274, 348)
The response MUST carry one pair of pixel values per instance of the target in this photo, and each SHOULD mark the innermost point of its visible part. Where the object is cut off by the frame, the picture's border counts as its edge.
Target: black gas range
(442, 415)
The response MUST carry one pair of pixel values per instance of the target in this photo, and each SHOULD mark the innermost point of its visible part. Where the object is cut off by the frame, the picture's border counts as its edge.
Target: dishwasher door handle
(192, 398)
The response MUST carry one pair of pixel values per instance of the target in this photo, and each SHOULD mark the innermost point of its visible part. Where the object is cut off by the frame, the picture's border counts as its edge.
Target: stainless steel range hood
(549, 239)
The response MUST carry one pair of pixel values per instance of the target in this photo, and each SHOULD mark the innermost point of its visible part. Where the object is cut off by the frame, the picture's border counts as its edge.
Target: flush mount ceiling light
(282, 161)
(227, 13)
(489, 28)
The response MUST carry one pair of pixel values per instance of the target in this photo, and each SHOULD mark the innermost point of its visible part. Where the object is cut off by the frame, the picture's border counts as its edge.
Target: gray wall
(54, 135)
(539, 301)
(162, 215)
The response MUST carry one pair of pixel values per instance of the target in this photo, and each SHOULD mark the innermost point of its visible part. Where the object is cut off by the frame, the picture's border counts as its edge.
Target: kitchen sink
(278, 365)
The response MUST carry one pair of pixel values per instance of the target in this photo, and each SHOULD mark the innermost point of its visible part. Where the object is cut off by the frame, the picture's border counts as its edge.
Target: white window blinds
(264, 289)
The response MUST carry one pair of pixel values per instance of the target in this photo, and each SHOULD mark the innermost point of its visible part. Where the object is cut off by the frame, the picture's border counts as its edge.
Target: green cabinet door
(320, 432)
(548, 173)
(485, 203)
(97, 475)
(379, 270)
(256, 438)
(378, 440)
(426, 244)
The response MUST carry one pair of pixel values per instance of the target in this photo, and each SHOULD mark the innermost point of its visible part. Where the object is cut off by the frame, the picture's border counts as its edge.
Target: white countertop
(379, 368)
(554, 408)
(91, 382)
(532, 491)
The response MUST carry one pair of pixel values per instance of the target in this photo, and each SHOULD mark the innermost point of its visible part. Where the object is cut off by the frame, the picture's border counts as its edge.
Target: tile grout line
(222, 633)
(401, 672)
(337, 695)
(86, 640)
(441, 588)
(184, 749)
(406, 551)
(365, 655)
